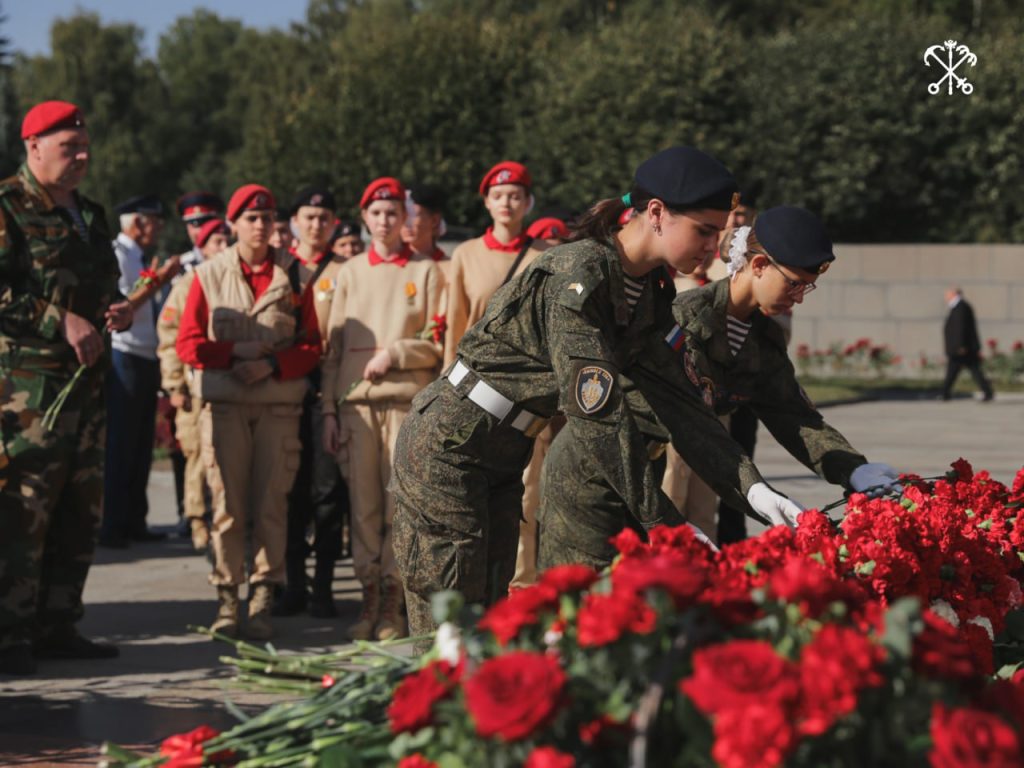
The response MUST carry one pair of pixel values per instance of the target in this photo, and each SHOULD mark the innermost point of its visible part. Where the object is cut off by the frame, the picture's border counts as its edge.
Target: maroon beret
(250, 197)
(51, 116)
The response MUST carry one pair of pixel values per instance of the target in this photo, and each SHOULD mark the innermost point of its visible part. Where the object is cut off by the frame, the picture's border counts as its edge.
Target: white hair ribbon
(738, 251)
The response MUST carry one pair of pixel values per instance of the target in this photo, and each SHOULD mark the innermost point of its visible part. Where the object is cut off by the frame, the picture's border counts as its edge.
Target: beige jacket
(234, 316)
(173, 376)
(381, 307)
(475, 274)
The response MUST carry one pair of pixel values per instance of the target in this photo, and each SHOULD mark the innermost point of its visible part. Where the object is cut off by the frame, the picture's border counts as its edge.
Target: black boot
(322, 604)
(292, 599)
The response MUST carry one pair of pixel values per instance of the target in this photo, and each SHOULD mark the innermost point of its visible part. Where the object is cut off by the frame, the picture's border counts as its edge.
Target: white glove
(875, 479)
(702, 537)
(776, 507)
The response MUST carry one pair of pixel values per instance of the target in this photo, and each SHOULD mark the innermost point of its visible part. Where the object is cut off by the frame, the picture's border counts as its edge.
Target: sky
(27, 25)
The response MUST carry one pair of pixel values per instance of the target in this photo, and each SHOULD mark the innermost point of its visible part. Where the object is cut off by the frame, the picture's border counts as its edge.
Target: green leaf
(865, 569)
(902, 622)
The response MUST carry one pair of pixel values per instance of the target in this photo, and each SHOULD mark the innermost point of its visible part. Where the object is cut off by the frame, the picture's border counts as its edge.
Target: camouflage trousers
(51, 492)
(458, 485)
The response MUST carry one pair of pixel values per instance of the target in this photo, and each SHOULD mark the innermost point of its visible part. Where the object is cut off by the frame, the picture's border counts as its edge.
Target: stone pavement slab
(170, 680)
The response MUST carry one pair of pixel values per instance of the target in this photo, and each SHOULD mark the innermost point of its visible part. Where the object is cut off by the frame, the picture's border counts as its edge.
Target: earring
(657, 229)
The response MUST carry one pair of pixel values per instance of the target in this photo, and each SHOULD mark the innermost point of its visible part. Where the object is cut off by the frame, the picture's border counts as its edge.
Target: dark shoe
(183, 530)
(147, 535)
(289, 602)
(17, 660)
(71, 645)
(113, 541)
(321, 606)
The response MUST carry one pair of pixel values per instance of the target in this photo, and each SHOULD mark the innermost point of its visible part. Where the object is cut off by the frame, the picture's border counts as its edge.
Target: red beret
(384, 188)
(506, 172)
(547, 227)
(208, 229)
(251, 197)
(49, 116)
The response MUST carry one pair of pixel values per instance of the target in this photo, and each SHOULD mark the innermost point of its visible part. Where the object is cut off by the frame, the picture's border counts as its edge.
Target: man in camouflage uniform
(58, 277)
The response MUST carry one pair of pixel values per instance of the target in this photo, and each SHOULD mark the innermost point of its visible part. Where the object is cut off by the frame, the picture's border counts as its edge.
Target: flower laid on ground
(890, 638)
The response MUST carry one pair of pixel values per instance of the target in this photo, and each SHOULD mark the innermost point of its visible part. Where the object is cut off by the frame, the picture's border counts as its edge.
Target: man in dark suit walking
(962, 344)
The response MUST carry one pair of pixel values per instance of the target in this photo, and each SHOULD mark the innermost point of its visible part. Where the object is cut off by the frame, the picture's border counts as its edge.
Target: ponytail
(602, 220)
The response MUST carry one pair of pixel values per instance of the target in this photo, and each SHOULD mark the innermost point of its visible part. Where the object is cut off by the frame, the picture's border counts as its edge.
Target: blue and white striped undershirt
(737, 331)
(634, 287)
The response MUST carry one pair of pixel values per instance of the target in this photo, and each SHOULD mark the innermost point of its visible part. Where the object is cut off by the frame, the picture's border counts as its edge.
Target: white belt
(495, 403)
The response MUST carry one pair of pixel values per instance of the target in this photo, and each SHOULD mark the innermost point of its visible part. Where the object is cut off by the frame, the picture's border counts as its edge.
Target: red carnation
(834, 667)
(805, 583)
(186, 749)
(628, 542)
(740, 674)
(549, 757)
(521, 608)
(569, 578)
(605, 730)
(413, 702)
(756, 736)
(678, 576)
(942, 651)
(971, 738)
(603, 619)
(416, 761)
(513, 695)
(963, 469)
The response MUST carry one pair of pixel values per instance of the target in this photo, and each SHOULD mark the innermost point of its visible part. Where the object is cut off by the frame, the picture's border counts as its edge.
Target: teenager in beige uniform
(176, 381)
(480, 266)
(252, 342)
(380, 353)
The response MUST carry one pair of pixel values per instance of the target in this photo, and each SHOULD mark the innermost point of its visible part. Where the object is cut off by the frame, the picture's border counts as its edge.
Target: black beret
(684, 177)
(347, 228)
(149, 205)
(795, 237)
(316, 196)
(427, 196)
(197, 207)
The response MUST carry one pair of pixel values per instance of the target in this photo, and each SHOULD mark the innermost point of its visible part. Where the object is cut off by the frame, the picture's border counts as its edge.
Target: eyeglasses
(797, 288)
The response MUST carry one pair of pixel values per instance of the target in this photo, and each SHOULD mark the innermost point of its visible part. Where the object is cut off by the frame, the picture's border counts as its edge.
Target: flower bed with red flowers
(888, 639)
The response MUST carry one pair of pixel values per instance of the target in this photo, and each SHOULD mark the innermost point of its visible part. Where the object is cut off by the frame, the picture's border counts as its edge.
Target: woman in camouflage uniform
(563, 336)
(732, 354)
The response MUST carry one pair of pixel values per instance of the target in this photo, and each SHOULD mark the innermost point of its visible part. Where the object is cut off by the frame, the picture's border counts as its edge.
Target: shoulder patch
(593, 388)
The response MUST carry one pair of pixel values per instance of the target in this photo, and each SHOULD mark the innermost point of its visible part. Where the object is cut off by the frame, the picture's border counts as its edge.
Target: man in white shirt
(131, 386)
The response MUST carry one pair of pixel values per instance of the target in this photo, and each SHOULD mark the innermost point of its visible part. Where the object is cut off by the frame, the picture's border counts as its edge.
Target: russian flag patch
(675, 338)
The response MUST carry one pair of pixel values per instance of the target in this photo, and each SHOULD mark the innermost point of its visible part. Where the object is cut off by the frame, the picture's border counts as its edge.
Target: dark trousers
(732, 523)
(131, 388)
(319, 496)
(972, 364)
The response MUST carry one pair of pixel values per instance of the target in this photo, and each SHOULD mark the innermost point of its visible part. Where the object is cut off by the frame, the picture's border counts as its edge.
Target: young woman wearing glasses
(732, 354)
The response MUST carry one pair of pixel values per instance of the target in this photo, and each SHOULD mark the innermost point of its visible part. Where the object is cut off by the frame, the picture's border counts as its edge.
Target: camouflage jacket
(46, 268)
(760, 375)
(560, 337)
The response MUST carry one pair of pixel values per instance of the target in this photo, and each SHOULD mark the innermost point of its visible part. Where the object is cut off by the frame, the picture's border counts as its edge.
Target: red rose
(603, 619)
(413, 702)
(513, 695)
(569, 578)
(834, 667)
(757, 736)
(970, 738)
(521, 608)
(416, 761)
(740, 674)
(549, 757)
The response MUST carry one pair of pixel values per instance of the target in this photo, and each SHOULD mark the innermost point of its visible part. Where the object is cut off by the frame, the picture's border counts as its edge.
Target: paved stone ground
(170, 680)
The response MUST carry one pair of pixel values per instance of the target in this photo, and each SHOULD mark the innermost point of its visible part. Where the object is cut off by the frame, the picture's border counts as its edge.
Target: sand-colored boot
(226, 621)
(392, 623)
(367, 622)
(258, 626)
